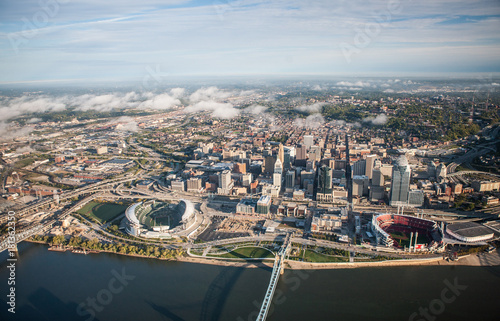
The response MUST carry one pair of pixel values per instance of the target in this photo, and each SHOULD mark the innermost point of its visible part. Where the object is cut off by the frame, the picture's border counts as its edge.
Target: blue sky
(51, 40)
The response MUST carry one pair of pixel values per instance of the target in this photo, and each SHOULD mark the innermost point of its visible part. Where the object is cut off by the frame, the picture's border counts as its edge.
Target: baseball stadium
(404, 231)
(153, 219)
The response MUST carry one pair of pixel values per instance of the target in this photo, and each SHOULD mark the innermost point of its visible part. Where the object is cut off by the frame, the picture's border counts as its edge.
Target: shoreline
(489, 259)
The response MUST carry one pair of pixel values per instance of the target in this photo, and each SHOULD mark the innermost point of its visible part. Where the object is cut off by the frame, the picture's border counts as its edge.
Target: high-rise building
(278, 167)
(306, 176)
(225, 183)
(370, 164)
(360, 185)
(290, 179)
(325, 180)
(225, 179)
(194, 184)
(308, 140)
(269, 162)
(348, 171)
(400, 184)
(301, 157)
(281, 153)
(246, 179)
(264, 204)
(286, 160)
(277, 179)
(359, 167)
(377, 177)
(315, 153)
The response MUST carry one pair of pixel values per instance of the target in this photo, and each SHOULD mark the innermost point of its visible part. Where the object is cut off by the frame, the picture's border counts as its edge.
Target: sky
(91, 40)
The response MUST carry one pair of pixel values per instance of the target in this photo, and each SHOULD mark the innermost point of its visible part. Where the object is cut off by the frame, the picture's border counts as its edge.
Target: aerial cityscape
(250, 160)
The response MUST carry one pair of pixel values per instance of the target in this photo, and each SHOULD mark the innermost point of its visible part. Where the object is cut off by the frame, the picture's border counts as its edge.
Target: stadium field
(103, 212)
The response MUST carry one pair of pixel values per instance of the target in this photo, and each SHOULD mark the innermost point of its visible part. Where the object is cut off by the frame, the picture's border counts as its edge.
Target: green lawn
(247, 252)
(404, 240)
(103, 212)
(312, 256)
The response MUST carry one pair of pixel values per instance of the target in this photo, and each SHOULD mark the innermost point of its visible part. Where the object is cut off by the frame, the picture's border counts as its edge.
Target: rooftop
(469, 229)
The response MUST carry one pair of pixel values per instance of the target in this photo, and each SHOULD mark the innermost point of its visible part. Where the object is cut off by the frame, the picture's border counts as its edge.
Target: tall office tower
(400, 184)
(377, 178)
(431, 169)
(286, 160)
(308, 141)
(277, 179)
(358, 168)
(269, 162)
(325, 180)
(290, 179)
(225, 179)
(278, 167)
(300, 159)
(281, 153)
(226, 184)
(315, 153)
(348, 171)
(370, 164)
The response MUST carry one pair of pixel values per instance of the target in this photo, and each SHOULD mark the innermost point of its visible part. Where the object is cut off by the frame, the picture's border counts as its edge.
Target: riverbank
(71, 249)
(482, 259)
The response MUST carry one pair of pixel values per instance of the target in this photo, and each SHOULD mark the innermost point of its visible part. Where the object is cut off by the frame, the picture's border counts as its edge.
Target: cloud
(13, 107)
(209, 94)
(389, 91)
(342, 123)
(106, 102)
(34, 120)
(125, 124)
(161, 102)
(24, 149)
(314, 108)
(379, 120)
(255, 109)
(8, 132)
(219, 110)
(318, 88)
(311, 121)
(36, 103)
(354, 84)
(177, 92)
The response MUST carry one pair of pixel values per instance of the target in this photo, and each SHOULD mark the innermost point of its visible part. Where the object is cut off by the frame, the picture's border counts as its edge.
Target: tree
(75, 241)
(58, 240)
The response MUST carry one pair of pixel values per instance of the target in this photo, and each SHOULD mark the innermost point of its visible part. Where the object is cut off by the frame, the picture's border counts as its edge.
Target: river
(65, 286)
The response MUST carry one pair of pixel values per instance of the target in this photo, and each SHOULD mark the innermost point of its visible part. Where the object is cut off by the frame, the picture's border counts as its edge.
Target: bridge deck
(277, 269)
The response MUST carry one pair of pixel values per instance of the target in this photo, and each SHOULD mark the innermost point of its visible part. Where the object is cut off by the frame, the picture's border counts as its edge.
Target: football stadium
(153, 219)
(404, 231)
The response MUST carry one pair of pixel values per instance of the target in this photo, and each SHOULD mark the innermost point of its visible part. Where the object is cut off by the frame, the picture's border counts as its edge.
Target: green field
(403, 239)
(311, 256)
(103, 212)
(247, 253)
